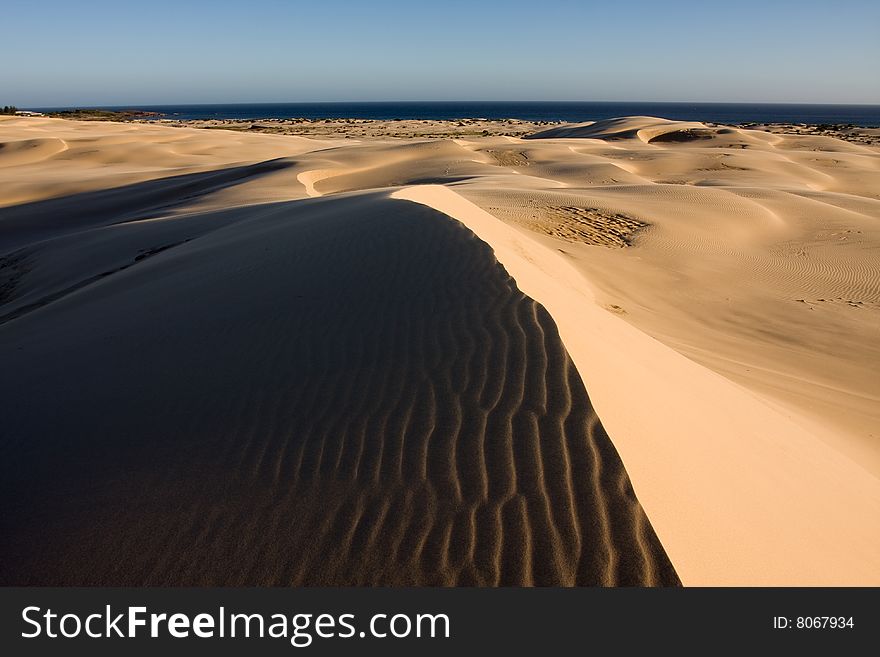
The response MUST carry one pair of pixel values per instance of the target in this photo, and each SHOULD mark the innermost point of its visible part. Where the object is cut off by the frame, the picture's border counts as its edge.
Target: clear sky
(125, 53)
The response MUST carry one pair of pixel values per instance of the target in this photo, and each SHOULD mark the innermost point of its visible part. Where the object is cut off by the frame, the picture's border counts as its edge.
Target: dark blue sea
(861, 115)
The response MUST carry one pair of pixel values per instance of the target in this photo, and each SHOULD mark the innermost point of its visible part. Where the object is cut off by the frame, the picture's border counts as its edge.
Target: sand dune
(341, 391)
(408, 417)
(45, 158)
(263, 386)
(713, 445)
(28, 151)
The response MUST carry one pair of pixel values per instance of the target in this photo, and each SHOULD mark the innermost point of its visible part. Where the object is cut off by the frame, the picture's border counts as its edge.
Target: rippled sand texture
(345, 391)
(212, 375)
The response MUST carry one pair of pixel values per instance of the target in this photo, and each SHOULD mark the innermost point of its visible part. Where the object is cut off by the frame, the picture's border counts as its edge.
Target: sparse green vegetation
(104, 115)
(9, 109)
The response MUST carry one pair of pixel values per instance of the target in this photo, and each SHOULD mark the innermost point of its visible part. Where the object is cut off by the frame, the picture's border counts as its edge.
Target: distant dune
(249, 359)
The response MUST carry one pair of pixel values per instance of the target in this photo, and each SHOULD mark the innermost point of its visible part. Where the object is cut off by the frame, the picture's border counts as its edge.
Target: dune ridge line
(694, 442)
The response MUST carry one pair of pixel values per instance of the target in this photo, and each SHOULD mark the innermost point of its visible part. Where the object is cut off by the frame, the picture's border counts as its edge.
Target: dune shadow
(339, 391)
(29, 222)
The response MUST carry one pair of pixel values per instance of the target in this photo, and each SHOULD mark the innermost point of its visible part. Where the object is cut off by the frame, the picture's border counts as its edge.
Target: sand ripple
(337, 391)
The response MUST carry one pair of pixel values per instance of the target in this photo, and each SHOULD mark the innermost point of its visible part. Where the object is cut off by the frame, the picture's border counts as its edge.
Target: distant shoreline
(568, 112)
(366, 128)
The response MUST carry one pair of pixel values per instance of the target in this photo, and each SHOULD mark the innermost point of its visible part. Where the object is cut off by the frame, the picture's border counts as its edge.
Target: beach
(628, 352)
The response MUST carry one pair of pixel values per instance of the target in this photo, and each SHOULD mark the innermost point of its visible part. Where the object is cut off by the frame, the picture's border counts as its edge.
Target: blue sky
(112, 53)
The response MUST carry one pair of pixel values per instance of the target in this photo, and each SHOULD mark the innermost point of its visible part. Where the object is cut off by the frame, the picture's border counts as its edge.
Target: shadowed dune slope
(29, 222)
(627, 127)
(333, 391)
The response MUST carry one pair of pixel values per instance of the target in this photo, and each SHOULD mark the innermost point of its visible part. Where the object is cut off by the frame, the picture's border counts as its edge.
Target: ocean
(861, 115)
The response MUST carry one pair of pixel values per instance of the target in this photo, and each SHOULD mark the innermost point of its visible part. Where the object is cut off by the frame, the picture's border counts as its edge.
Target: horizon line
(116, 104)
